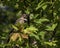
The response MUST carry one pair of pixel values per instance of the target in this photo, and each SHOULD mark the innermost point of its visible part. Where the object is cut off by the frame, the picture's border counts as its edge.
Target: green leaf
(18, 14)
(53, 43)
(44, 7)
(34, 35)
(42, 34)
(31, 16)
(14, 27)
(49, 43)
(54, 26)
(3, 37)
(16, 6)
(51, 28)
(41, 20)
(17, 0)
(39, 5)
(27, 11)
(30, 29)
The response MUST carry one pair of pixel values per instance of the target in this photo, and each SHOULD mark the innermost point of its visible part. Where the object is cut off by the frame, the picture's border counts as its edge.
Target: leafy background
(44, 22)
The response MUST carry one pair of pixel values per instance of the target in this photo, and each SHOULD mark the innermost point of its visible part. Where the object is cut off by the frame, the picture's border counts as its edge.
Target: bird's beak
(25, 20)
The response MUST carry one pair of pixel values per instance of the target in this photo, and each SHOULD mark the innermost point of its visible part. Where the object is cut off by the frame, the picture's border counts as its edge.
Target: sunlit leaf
(50, 43)
(39, 5)
(34, 35)
(27, 11)
(30, 29)
(51, 28)
(18, 14)
(14, 36)
(17, 0)
(42, 34)
(14, 27)
(44, 18)
(41, 20)
(16, 6)
(3, 37)
(54, 26)
(44, 7)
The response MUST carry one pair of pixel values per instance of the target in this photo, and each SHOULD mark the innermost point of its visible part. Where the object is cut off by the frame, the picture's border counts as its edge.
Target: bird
(14, 34)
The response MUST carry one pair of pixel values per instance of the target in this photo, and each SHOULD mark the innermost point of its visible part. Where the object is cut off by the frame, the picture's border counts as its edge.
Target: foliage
(44, 28)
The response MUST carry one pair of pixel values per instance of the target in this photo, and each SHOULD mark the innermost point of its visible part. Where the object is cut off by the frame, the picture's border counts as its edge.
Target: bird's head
(22, 19)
